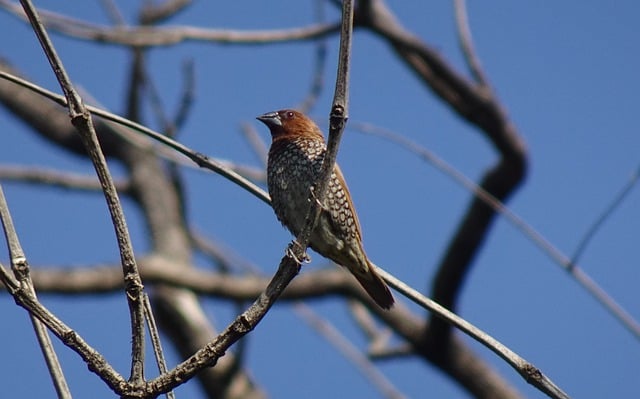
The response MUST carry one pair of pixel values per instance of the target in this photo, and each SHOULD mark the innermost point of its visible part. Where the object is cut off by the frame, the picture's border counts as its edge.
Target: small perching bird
(295, 159)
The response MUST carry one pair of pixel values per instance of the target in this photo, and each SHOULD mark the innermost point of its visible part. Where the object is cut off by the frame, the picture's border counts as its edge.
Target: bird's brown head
(289, 123)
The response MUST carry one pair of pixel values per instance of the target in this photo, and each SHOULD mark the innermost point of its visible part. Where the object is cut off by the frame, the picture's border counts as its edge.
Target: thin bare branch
(255, 141)
(188, 94)
(378, 337)
(146, 36)
(21, 272)
(81, 119)
(337, 121)
(158, 109)
(224, 257)
(527, 370)
(349, 351)
(113, 12)
(54, 178)
(154, 335)
(593, 229)
(391, 352)
(466, 43)
(317, 79)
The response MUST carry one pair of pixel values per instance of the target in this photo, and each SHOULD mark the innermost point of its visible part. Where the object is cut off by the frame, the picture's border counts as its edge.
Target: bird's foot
(290, 252)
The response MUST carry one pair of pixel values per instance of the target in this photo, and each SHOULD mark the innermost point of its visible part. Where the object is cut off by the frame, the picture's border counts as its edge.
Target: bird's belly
(327, 243)
(292, 208)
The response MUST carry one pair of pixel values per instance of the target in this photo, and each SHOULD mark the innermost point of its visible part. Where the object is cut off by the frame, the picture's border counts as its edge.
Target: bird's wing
(343, 183)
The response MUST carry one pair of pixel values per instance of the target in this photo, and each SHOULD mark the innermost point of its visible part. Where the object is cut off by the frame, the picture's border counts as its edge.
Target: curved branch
(466, 43)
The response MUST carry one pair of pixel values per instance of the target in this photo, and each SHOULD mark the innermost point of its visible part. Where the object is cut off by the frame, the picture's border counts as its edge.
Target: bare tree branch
(528, 371)
(21, 272)
(376, 378)
(617, 200)
(53, 178)
(317, 79)
(145, 36)
(466, 43)
(81, 119)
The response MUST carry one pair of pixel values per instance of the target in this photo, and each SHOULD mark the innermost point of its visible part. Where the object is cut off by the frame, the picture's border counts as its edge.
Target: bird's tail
(375, 287)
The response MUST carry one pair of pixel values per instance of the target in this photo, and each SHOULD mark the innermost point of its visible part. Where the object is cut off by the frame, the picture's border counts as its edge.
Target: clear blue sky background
(567, 73)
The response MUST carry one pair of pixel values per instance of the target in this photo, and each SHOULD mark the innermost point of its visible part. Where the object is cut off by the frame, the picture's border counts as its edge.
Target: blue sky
(566, 72)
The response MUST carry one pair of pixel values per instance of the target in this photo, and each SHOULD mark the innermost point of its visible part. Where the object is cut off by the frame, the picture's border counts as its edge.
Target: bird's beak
(270, 119)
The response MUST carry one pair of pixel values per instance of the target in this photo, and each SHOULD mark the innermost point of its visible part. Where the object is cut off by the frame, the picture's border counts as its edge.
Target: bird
(293, 166)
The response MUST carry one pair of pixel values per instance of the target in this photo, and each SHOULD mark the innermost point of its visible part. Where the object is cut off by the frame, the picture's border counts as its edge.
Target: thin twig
(466, 43)
(348, 350)
(113, 12)
(155, 101)
(224, 257)
(378, 338)
(188, 94)
(526, 369)
(593, 229)
(20, 268)
(81, 119)
(255, 141)
(317, 80)
(54, 178)
(154, 335)
(401, 350)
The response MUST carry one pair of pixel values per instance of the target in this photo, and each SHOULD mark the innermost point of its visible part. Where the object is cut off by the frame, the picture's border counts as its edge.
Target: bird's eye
(289, 114)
